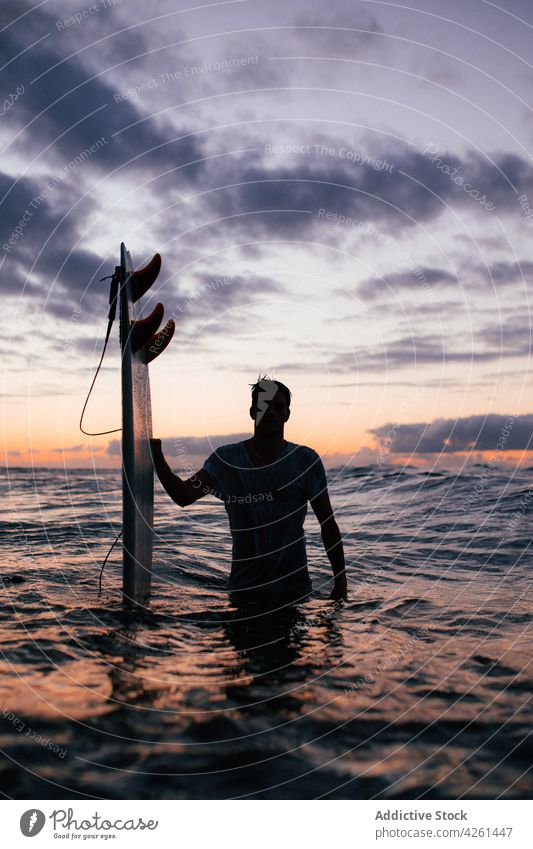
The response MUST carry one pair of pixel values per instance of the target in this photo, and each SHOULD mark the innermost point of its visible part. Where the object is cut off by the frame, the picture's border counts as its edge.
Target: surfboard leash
(113, 295)
(105, 561)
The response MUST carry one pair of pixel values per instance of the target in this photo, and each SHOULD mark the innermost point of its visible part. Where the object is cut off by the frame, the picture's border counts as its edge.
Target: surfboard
(140, 343)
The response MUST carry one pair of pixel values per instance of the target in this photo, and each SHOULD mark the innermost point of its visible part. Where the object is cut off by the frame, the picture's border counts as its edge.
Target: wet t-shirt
(266, 507)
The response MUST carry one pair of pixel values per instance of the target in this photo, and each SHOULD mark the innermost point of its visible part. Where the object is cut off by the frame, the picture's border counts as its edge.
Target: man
(266, 483)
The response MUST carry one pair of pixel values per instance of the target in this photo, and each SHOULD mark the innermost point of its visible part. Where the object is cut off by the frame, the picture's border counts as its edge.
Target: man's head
(271, 401)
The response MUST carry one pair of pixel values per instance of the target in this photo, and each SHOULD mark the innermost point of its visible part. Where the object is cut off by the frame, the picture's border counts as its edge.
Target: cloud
(504, 273)
(439, 383)
(491, 432)
(215, 294)
(38, 234)
(263, 195)
(496, 274)
(493, 343)
(340, 32)
(511, 337)
(470, 276)
(440, 69)
(70, 107)
(373, 287)
(507, 340)
(232, 199)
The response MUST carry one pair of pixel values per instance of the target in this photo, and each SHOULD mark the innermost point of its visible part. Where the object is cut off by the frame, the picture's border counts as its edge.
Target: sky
(342, 195)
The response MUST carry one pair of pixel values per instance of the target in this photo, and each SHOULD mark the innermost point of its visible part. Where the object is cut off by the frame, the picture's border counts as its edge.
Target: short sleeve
(216, 468)
(315, 477)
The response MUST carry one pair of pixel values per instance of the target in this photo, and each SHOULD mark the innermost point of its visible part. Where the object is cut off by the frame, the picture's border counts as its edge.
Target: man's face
(275, 416)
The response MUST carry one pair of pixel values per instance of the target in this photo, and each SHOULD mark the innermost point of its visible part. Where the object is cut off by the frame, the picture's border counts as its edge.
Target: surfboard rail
(137, 336)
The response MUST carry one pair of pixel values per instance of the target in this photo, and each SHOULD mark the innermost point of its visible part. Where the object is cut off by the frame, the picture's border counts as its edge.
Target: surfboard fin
(159, 341)
(144, 328)
(143, 278)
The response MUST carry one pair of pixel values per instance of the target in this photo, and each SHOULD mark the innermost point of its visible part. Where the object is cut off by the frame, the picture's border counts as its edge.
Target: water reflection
(282, 650)
(206, 697)
(250, 644)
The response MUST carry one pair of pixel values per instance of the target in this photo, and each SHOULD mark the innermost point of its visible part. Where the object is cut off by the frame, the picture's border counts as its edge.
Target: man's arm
(332, 541)
(182, 492)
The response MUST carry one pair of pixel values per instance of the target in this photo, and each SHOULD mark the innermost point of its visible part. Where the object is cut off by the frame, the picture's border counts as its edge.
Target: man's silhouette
(265, 483)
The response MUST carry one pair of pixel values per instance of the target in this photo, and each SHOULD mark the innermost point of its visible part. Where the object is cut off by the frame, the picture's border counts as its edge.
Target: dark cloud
(24, 198)
(38, 239)
(264, 195)
(253, 196)
(273, 199)
(481, 433)
(510, 337)
(505, 273)
(411, 351)
(496, 274)
(70, 107)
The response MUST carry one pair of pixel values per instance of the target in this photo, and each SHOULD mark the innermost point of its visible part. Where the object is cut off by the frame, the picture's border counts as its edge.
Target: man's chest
(277, 487)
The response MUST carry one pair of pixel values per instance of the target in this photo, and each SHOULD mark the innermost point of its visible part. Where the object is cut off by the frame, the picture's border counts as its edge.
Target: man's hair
(257, 388)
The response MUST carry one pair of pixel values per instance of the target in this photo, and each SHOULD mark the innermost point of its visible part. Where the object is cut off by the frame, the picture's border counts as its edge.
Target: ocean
(418, 687)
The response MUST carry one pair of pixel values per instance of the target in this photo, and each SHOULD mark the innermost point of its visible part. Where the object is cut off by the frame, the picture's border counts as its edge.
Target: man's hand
(182, 492)
(332, 543)
(156, 451)
(340, 589)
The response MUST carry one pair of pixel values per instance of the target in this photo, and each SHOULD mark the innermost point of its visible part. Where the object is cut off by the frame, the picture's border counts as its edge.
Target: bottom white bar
(314, 824)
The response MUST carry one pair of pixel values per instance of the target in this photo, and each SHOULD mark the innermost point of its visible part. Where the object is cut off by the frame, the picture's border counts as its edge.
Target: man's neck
(267, 446)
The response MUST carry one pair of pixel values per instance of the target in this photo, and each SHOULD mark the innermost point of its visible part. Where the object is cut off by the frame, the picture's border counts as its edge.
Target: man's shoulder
(228, 451)
(305, 453)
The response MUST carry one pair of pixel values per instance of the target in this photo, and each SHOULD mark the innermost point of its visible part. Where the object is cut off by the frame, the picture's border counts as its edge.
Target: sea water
(418, 687)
